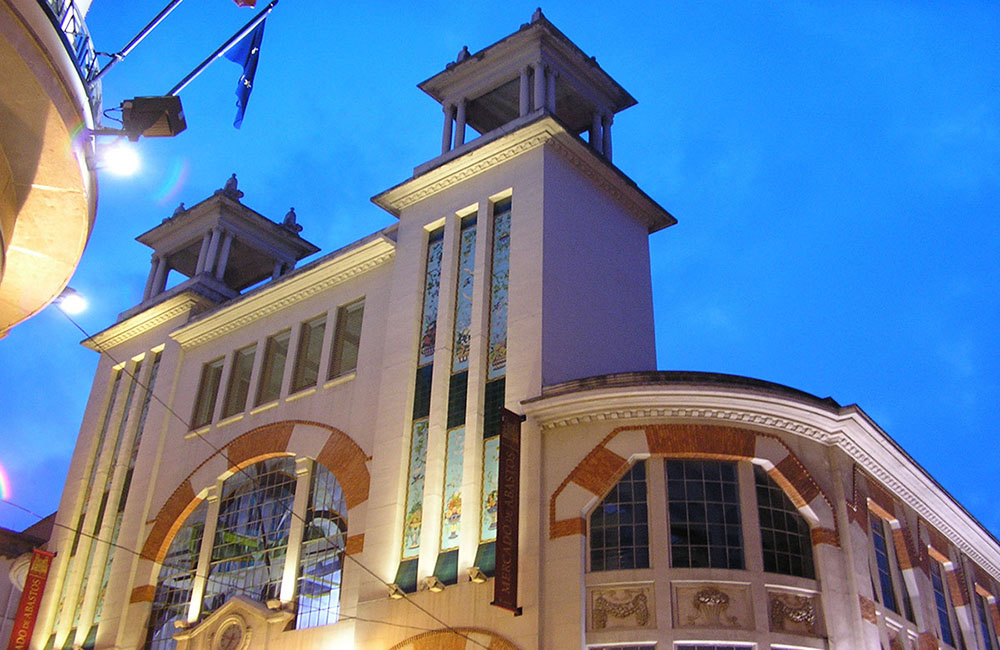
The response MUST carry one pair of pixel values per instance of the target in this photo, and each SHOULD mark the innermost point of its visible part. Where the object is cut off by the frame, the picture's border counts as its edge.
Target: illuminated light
(71, 302)
(4, 484)
(120, 158)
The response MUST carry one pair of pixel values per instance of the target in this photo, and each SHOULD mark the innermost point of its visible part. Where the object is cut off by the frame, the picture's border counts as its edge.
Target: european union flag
(245, 53)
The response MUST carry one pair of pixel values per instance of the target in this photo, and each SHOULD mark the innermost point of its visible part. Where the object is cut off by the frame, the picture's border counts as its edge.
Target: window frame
(344, 312)
(206, 398)
(312, 331)
(230, 409)
(269, 369)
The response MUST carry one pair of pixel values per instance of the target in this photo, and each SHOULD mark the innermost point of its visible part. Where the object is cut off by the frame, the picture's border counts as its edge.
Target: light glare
(121, 159)
(72, 302)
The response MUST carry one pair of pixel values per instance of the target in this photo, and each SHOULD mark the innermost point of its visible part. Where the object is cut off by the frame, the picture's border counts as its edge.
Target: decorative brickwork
(259, 444)
(824, 536)
(868, 610)
(882, 498)
(927, 641)
(143, 594)
(601, 467)
(341, 455)
(354, 544)
(173, 513)
(956, 583)
(456, 638)
(700, 440)
(902, 549)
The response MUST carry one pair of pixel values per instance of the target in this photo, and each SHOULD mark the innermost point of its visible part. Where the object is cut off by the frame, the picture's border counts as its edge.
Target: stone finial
(535, 17)
(179, 210)
(289, 222)
(231, 188)
(463, 54)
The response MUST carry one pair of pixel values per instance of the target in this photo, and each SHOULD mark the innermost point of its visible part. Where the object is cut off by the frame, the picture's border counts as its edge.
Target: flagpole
(223, 49)
(118, 56)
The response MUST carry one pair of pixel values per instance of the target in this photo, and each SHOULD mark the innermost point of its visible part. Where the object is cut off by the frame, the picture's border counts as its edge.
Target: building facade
(49, 98)
(321, 456)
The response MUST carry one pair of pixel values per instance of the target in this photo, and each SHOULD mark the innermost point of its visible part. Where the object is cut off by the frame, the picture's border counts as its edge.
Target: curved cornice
(847, 428)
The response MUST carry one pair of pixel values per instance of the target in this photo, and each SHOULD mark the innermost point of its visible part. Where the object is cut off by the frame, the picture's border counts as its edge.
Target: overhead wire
(243, 470)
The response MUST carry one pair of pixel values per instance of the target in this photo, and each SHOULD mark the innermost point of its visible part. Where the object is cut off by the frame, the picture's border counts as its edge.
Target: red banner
(508, 489)
(31, 598)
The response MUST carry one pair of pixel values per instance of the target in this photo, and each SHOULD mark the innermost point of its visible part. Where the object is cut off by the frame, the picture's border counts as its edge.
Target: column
(213, 248)
(160, 281)
(446, 134)
(220, 267)
(154, 261)
(606, 140)
(595, 132)
(300, 505)
(539, 85)
(460, 124)
(203, 253)
(524, 94)
(550, 91)
(205, 555)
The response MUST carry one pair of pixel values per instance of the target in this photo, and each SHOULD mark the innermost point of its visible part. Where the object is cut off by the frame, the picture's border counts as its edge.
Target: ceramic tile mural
(463, 303)
(415, 491)
(491, 464)
(452, 513)
(497, 355)
(432, 289)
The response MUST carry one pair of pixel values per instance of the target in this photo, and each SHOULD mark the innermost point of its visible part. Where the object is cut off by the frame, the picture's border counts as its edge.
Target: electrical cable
(253, 479)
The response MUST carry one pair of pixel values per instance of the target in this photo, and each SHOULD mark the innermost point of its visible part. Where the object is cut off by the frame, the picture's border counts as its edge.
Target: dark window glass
(347, 339)
(273, 369)
(307, 355)
(619, 526)
(321, 563)
(704, 514)
(941, 602)
(493, 407)
(457, 393)
(785, 539)
(882, 563)
(208, 390)
(422, 392)
(239, 381)
(984, 623)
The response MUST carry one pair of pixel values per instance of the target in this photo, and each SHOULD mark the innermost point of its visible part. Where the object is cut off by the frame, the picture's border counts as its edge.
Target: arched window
(619, 528)
(786, 543)
(249, 547)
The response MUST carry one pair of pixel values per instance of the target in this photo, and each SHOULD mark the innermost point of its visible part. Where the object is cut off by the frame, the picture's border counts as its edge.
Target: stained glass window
(704, 514)
(619, 526)
(784, 533)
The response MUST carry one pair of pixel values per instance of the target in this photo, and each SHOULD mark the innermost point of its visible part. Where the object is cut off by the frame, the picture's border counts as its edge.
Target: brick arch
(456, 638)
(608, 461)
(333, 448)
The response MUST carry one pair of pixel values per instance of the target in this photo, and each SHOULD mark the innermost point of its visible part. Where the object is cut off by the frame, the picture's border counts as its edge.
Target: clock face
(231, 637)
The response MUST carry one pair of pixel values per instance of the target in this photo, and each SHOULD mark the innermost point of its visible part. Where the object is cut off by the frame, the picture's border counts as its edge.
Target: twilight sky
(835, 171)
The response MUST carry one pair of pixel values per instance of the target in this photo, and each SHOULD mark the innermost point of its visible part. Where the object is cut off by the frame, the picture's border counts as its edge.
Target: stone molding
(188, 302)
(290, 290)
(456, 638)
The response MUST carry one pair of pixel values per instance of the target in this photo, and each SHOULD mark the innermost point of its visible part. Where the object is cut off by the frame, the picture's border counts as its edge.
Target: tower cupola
(536, 71)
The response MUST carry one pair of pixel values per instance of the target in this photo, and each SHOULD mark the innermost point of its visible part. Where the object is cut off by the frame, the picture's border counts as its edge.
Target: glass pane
(785, 538)
(273, 369)
(208, 389)
(618, 538)
(347, 339)
(307, 356)
(704, 514)
(239, 381)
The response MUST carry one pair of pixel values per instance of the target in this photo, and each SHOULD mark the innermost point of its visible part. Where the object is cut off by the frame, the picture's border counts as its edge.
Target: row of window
(272, 366)
(704, 521)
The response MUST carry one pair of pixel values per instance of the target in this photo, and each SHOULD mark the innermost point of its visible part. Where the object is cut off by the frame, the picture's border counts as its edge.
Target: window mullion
(205, 554)
(303, 476)
(752, 545)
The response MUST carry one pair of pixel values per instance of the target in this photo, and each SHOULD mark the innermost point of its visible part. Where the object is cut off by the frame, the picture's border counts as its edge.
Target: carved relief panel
(720, 605)
(621, 606)
(794, 613)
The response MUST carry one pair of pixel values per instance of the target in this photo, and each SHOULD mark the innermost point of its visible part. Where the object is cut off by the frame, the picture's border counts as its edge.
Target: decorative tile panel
(415, 491)
(491, 464)
(452, 511)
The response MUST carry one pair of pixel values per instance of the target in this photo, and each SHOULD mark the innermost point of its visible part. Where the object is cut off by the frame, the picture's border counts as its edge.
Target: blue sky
(835, 170)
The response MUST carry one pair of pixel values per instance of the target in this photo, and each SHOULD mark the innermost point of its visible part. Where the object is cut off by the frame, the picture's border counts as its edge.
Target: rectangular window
(882, 562)
(704, 512)
(619, 526)
(239, 381)
(273, 368)
(208, 390)
(989, 639)
(307, 356)
(941, 603)
(347, 339)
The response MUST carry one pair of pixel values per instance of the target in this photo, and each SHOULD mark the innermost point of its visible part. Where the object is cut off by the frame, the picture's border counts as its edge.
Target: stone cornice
(847, 428)
(542, 132)
(185, 303)
(295, 288)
